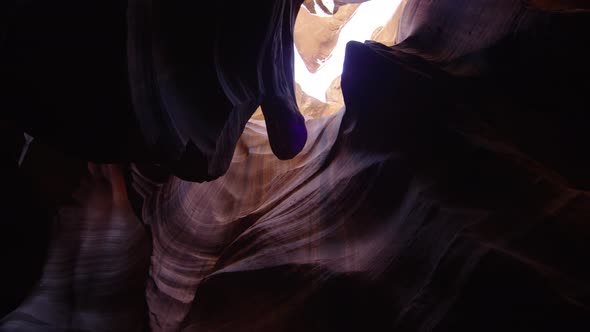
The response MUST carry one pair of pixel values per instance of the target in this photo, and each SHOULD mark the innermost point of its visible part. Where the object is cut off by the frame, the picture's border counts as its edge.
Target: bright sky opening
(368, 17)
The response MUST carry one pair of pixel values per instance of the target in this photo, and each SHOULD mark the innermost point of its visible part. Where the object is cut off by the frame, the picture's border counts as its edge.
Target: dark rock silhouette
(451, 193)
(151, 81)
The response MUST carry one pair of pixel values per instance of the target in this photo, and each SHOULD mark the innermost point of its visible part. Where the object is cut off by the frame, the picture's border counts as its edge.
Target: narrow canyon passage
(300, 165)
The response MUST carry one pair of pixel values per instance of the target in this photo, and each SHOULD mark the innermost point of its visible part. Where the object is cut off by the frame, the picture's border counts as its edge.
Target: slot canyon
(295, 165)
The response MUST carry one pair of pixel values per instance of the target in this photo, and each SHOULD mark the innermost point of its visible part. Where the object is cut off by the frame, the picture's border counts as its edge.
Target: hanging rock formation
(151, 81)
(450, 194)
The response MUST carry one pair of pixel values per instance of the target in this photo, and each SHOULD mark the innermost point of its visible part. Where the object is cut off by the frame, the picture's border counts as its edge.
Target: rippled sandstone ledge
(450, 194)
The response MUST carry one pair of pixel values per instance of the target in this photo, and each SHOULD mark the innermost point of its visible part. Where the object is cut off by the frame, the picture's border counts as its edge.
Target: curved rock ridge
(95, 272)
(191, 232)
(150, 81)
(433, 224)
(248, 51)
(450, 194)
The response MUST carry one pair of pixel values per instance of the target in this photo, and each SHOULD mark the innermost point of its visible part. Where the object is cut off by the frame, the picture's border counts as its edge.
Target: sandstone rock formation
(151, 81)
(387, 34)
(193, 104)
(450, 194)
(316, 36)
(311, 107)
(96, 267)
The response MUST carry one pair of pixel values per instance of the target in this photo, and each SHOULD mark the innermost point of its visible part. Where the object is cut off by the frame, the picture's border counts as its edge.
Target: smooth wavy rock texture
(316, 36)
(195, 86)
(450, 194)
(95, 270)
(151, 81)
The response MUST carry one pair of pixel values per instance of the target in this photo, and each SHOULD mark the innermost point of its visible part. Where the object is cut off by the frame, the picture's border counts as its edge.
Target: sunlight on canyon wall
(322, 30)
(362, 21)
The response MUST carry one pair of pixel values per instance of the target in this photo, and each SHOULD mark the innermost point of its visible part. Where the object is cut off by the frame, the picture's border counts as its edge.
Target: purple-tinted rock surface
(451, 194)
